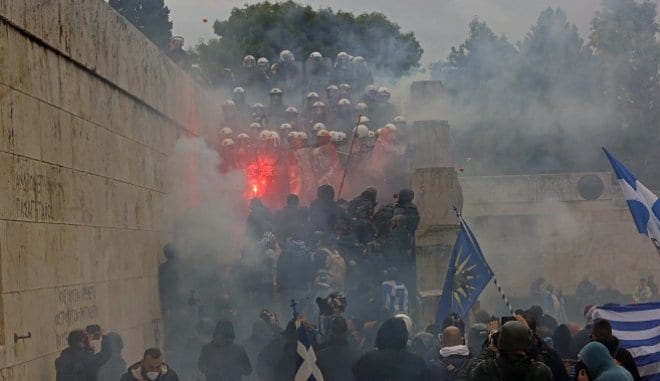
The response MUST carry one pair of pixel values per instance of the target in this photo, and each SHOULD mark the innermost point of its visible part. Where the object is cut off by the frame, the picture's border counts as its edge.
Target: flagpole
(350, 155)
(505, 299)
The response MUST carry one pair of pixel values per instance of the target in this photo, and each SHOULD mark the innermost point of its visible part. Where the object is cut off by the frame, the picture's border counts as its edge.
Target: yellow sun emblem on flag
(464, 276)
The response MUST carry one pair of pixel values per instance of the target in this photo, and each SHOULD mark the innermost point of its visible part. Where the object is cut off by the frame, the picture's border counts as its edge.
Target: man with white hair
(177, 54)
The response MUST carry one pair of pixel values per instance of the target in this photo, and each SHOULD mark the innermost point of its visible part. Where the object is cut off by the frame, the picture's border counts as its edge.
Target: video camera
(332, 305)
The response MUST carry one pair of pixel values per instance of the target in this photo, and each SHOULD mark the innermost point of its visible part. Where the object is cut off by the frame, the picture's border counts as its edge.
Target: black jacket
(336, 360)
(490, 367)
(391, 361)
(222, 359)
(449, 368)
(542, 352)
(75, 364)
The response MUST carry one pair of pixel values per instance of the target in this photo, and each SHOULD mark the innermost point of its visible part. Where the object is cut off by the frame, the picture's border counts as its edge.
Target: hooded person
(599, 365)
(583, 337)
(542, 351)
(336, 357)
(222, 359)
(507, 357)
(391, 360)
(78, 362)
(115, 366)
(277, 361)
(324, 212)
(261, 334)
(366, 200)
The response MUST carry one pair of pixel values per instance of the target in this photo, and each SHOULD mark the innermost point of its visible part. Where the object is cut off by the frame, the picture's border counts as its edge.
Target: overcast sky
(438, 24)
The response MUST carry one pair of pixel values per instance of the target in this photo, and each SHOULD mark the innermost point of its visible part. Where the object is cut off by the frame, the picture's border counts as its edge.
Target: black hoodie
(391, 361)
(222, 359)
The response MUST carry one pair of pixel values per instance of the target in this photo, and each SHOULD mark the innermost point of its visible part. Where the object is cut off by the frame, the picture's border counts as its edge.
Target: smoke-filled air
(364, 194)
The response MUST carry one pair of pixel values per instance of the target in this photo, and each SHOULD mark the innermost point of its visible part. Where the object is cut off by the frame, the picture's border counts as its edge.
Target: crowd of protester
(347, 266)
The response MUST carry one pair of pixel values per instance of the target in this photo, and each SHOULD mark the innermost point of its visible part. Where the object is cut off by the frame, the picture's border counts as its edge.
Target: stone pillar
(437, 192)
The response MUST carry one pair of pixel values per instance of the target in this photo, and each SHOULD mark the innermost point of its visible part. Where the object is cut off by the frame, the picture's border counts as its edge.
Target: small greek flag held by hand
(643, 204)
(307, 369)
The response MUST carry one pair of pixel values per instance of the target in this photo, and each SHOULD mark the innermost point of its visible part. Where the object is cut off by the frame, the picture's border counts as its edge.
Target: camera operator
(78, 362)
(507, 356)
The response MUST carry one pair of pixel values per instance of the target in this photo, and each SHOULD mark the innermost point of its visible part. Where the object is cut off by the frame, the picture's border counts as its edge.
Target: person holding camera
(78, 362)
(507, 356)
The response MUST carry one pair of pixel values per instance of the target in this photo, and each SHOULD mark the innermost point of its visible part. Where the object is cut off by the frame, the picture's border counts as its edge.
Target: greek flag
(394, 297)
(637, 326)
(307, 369)
(643, 204)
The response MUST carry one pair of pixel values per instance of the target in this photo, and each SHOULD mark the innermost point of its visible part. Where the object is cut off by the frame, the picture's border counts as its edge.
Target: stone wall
(89, 112)
(540, 225)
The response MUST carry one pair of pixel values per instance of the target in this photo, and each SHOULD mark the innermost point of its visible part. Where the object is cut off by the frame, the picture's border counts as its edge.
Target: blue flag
(467, 276)
(643, 204)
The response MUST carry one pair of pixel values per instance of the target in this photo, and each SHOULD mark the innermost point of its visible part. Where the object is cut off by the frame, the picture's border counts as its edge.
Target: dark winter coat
(75, 364)
(600, 365)
(278, 360)
(134, 373)
(391, 361)
(580, 339)
(451, 368)
(336, 360)
(294, 267)
(323, 211)
(289, 222)
(510, 367)
(542, 352)
(222, 359)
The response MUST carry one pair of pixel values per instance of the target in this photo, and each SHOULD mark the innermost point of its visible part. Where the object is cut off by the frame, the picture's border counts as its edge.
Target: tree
(151, 17)
(482, 58)
(265, 29)
(623, 38)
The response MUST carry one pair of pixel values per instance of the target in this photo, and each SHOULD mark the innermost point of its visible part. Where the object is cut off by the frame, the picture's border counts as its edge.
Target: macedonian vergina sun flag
(467, 276)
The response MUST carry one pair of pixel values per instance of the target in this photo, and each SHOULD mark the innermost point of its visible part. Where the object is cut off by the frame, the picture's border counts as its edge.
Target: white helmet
(286, 55)
(226, 131)
(227, 142)
(358, 59)
(361, 131)
(364, 119)
(316, 56)
(344, 102)
(248, 61)
(256, 126)
(258, 106)
(384, 91)
(292, 110)
(334, 136)
(238, 90)
(263, 61)
(361, 106)
(318, 104)
(332, 88)
(342, 136)
(399, 119)
(229, 103)
(292, 135)
(345, 87)
(265, 135)
(312, 94)
(243, 136)
(286, 126)
(275, 91)
(323, 134)
(319, 126)
(302, 135)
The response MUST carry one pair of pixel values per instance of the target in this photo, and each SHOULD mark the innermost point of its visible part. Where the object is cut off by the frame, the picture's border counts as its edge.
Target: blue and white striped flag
(637, 326)
(307, 369)
(394, 297)
(643, 204)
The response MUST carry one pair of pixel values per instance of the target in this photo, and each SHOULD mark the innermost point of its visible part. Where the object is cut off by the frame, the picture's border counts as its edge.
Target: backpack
(461, 373)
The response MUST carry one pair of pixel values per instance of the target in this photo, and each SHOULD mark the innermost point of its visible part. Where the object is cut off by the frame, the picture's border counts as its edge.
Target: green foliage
(265, 29)
(151, 17)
